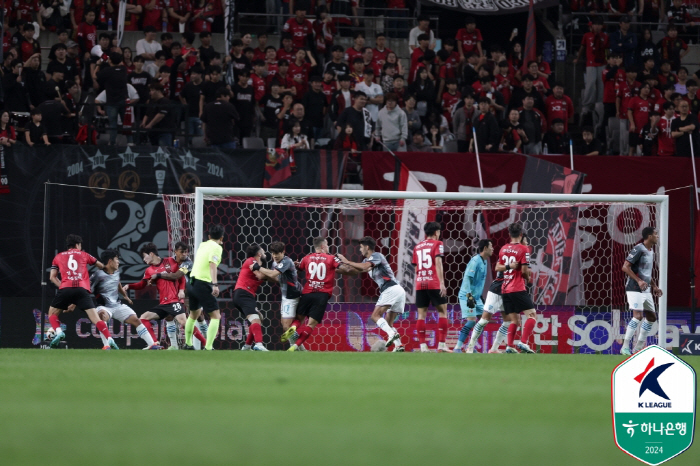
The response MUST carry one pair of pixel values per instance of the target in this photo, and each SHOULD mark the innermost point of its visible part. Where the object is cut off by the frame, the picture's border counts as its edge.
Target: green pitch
(122, 408)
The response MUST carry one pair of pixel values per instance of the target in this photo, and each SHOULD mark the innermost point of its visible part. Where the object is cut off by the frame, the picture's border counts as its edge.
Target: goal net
(578, 244)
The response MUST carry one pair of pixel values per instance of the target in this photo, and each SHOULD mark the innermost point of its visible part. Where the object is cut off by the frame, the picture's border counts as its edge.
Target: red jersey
(469, 40)
(259, 87)
(413, 71)
(285, 81)
(595, 46)
(451, 65)
(610, 82)
(514, 253)
(380, 55)
(300, 31)
(329, 89)
(559, 108)
(449, 102)
(667, 144)
(153, 17)
(625, 92)
(72, 265)
(351, 54)
(640, 111)
(320, 272)
(659, 105)
(503, 88)
(290, 56)
(258, 54)
(300, 72)
(167, 289)
(424, 256)
(246, 278)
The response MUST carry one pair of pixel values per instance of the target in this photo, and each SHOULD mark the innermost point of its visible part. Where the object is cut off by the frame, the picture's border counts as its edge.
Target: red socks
(249, 337)
(512, 328)
(442, 329)
(147, 324)
(528, 326)
(102, 327)
(198, 335)
(420, 329)
(256, 330)
(55, 323)
(296, 323)
(304, 333)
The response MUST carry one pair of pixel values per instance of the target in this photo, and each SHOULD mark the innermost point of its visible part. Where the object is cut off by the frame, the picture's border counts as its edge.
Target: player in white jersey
(392, 299)
(107, 288)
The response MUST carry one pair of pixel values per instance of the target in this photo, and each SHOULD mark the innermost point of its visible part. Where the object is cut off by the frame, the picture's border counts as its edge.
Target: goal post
(578, 242)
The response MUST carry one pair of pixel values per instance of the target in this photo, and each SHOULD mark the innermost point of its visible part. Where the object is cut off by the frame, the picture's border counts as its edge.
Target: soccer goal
(578, 246)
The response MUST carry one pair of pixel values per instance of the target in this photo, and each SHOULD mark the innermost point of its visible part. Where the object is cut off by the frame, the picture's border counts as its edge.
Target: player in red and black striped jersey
(430, 284)
(249, 280)
(514, 262)
(74, 288)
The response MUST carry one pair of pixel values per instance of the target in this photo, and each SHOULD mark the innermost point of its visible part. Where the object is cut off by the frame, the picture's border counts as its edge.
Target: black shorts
(172, 309)
(245, 302)
(78, 296)
(425, 297)
(635, 140)
(200, 296)
(515, 303)
(313, 305)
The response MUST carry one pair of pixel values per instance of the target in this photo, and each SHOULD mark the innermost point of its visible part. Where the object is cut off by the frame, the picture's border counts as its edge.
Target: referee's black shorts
(515, 303)
(200, 296)
(313, 305)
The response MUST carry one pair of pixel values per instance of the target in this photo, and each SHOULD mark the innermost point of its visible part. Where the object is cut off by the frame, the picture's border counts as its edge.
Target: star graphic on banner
(98, 160)
(160, 157)
(189, 161)
(128, 157)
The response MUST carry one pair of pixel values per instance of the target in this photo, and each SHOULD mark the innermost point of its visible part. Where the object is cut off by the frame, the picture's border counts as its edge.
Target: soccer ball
(378, 346)
(50, 333)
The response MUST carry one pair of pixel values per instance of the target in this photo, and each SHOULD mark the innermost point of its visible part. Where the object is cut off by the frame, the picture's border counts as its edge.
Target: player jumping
(392, 299)
(74, 289)
(249, 279)
(470, 293)
(430, 284)
(514, 260)
(105, 285)
(639, 287)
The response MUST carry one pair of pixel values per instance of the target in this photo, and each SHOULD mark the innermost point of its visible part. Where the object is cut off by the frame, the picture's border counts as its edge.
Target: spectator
(419, 144)
(298, 113)
(258, 79)
(299, 27)
(56, 82)
(328, 86)
(470, 71)
(375, 96)
(559, 105)
(450, 98)
(219, 119)
(399, 89)
(678, 14)
(527, 90)
(534, 124)
(436, 139)
(462, 122)
(28, 45)
(413, 118)
(345, 141)
(662, 130)
(113, 80)
(681, 85)
(283, 114)
(191, 96)
(54, 112)
(341, 99)
(8, 136)
(594, 44)
(392, 58)
(286, 51)
(294, 139)
(316, 106)
(359, 118)
(672, 47)
(504, 80)
(387, 79)
(15, 90)
(140, 79)
(202, 16)
(244, 102)
(692, 96)
(624, 42)
(495, 97)
(239, 61)
(416, 54)
(590, 145)
(60, 62)
(424, 91)
(666, 76)
(35, 131)
(392, 124)
(488, 134)
(152, 14)
(513, 136)
(556, 141)
(34, 79)
(638, 110)
(259, 51)
(86, 34)
(685, 131)
(271, 104)
(469, 40)
(159, 120)
(179, 12)
(357, 48)
(299, 71)
(147, 48)
(283, 78)
(358, 67)
(337, 66)
(211, 87)
(380, 50)
(646, 48)
(423, 27)
(206, 51)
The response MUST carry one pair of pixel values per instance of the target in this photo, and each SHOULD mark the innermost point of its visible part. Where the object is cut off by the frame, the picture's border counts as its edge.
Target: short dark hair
(214, 69)
(148, 248)
(483, 244)
(515, 229)
(647, 232)
(164, 69)
(73, 240)
(358, 34)
(104, 35)
(139, 58)
(107, 255)
(391, 96)
(369, 241)
(116, 57)
(181, 245)
(277, 247)
(318, 241)
(188, 36)
(236, 43)
(691, 83)
(175, 44)
(28, 27)
(588, 129)
(252, 250)
(423, 37)
(204, 34)
(164, 36)
(668, 105)
(360, 94)
(431, 227)
(216, 231)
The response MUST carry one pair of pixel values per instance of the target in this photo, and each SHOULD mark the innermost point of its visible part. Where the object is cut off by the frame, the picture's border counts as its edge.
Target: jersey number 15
(425, 260)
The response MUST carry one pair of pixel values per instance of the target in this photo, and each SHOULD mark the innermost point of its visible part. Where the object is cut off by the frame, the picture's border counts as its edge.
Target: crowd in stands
(311, 92)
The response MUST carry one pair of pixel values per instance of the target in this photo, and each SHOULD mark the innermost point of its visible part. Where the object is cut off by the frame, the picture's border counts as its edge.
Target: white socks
(397, 342)
(105, 341)
(631, 328)
(144, 335)
(476, 332)
(203, 327)
(642, 340)
(171, 328)
(384, 325)
(501, 336)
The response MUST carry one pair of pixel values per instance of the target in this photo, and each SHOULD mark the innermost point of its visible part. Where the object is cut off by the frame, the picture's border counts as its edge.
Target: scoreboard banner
(489, 7)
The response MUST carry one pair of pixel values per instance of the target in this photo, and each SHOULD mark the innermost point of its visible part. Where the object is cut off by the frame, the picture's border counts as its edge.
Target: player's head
(485, 247)
(515, 230)
(432, 230)
(254, 250)
(321, 245)
(110, 259)
(650, 234)
(277, 250)
(182, 250)
(367, 246)
(74, 242)
(216, 232)
(524, 240)
(149, 252)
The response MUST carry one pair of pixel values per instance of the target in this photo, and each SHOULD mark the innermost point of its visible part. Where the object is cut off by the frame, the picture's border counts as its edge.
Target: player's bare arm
(172, 276)
(345, 269)
(359, 266)
(99, 265)
(122, 292)
(53, 277)
(627, 268)
(502, 267)
(441, 276)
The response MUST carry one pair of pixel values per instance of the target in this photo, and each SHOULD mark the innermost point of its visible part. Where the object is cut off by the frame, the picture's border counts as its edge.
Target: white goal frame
(662, 202)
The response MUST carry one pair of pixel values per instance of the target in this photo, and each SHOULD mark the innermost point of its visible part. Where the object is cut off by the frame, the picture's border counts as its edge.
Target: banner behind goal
(578, 246)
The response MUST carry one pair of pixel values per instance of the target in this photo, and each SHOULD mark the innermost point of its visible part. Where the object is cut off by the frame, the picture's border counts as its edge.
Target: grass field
(88, 407)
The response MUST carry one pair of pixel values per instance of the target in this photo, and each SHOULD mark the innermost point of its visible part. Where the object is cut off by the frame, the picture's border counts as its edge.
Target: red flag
(530, 53)
(277, 167)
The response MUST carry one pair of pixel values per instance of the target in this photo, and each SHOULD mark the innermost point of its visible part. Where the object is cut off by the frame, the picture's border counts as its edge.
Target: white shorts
(121, 312)
(494, 303)
(394, 297)
(289, 308)
(640, 301)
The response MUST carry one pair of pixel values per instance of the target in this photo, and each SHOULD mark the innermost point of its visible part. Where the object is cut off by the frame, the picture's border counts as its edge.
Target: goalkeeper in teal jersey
(472, 288)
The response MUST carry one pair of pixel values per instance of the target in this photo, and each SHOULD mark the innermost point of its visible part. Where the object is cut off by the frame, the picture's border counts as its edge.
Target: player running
(430, 284)
(392, 299)
(74, 289)
(471, 290)
(639, 287)
(320, 268)
(249, 279)
(107, 288)
(514, 260)
(285, 273)
(171, 293)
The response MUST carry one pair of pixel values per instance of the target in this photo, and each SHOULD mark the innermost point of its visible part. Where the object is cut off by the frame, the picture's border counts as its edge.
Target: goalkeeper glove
(471, 302)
